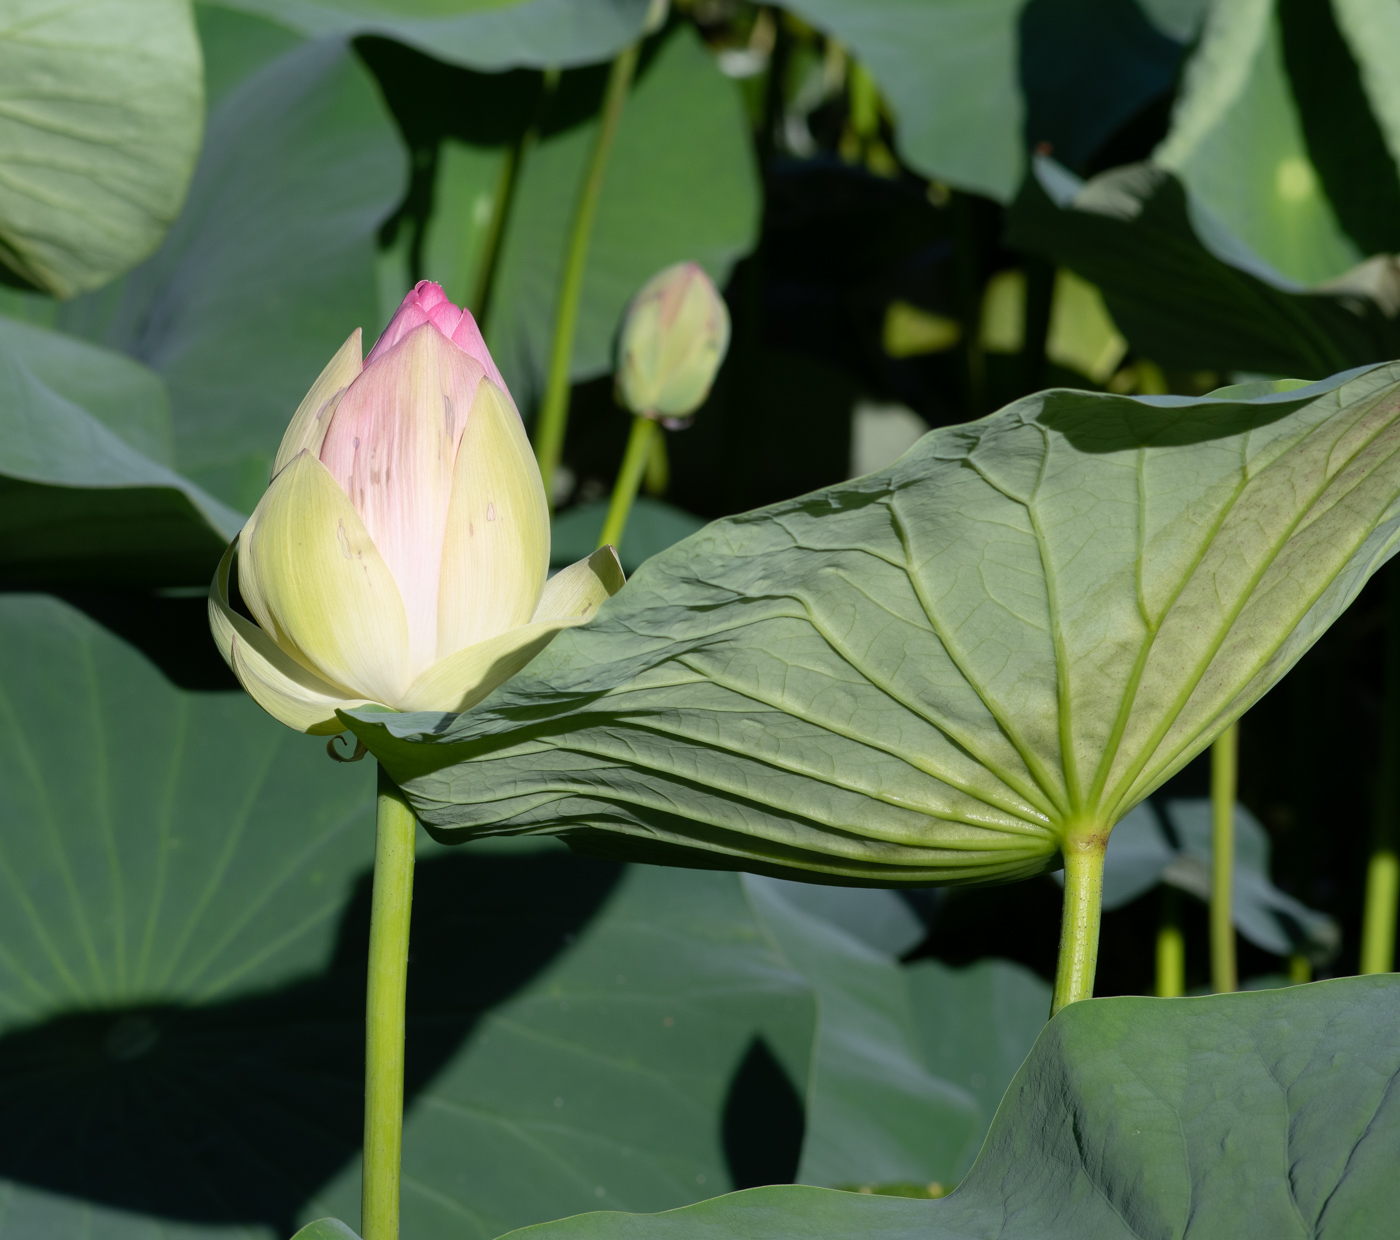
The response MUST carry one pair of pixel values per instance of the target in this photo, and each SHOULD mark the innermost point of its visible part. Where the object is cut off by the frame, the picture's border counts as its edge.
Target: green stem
(1383, 868)
(1224, 776)
(390, 907)
(506, 184)
(629, 478)
(1079, 923)
(1171, 947)
(554, 409)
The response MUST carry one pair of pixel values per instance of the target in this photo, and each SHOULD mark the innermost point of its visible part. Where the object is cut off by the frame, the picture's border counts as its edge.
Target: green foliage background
(213, 197)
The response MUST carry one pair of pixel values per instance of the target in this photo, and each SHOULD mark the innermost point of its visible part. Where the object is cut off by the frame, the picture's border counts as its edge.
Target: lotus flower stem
(1224, 776)
(554, 409)
(1171, 946)
(1383, 868)
(1079, 924)
(629, 478)
(390, 909)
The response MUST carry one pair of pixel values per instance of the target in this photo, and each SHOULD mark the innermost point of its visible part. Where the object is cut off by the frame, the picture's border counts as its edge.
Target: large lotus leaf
(86, 488)
(482, 34)
(1273, 1114)
(1237, 143)
(103, 104)
(936, 672)
(1187, 298)
(972, 82)
(874, 1112)
(182, 948)
(1347, 101)
(976, 1026)
(270, 265)
(680, 184)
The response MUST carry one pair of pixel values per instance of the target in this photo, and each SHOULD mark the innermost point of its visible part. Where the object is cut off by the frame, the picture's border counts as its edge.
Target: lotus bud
(673, 340)
(399, 556)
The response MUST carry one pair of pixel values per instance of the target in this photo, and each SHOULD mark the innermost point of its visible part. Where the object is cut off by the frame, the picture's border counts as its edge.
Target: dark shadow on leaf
(763, 1122)
(237, 1112)
(1118, 426)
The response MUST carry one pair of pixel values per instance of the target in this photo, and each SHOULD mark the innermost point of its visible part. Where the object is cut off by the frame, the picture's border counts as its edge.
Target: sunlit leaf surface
(99, 128)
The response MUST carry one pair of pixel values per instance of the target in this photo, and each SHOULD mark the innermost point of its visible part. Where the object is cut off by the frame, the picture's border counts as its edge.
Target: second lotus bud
(673, 340)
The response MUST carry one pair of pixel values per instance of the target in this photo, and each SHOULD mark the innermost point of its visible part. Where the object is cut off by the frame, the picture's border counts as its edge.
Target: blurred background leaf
(103, 111)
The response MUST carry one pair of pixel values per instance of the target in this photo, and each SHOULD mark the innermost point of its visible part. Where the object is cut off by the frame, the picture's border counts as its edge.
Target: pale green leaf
(936, 672)
(270, 265)
(1237, 143)
(99, 128)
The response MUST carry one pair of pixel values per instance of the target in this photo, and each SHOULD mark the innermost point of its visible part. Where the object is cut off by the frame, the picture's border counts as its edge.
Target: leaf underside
(933, 673)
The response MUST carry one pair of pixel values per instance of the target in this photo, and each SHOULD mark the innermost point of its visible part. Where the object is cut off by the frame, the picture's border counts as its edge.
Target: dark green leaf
(1133, 233)
(86, 488)
(976, 1026)
(653, 527)
(1273, 1113)
(484, 34)
(182, 948)
(680, 184)
(103, 105)
(936, 672)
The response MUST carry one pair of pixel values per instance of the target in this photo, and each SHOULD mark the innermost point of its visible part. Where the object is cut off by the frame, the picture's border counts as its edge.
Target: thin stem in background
(1224, 779)
(554, 409)
(629, 477)
(390, 908)
(504, 198)
(1171, 946)
(1079, 924)
(1383, 868)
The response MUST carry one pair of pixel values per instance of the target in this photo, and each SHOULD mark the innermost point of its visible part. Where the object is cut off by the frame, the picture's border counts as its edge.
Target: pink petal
(427, 303)
(391, 446)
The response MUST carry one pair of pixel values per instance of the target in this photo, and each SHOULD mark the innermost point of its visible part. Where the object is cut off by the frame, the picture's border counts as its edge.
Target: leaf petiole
(1079, 925)
(390, 908)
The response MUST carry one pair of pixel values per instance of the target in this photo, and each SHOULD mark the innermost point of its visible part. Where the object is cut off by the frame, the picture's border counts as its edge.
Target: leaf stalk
(1079, 924)
(390, 909)
(1224, 780)
(554, 409)
(635, 460)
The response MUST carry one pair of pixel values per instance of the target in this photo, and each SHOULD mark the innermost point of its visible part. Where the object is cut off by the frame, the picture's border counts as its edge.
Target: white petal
(312, 419)
(391, 448)
(496, 553)
(461, 680)
(314, 580)
(578, 590)
(274, 680)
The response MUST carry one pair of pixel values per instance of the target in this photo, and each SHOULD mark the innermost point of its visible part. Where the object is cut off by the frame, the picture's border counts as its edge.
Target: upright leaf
(940, 671)
(1237, 143)
(103, 108)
